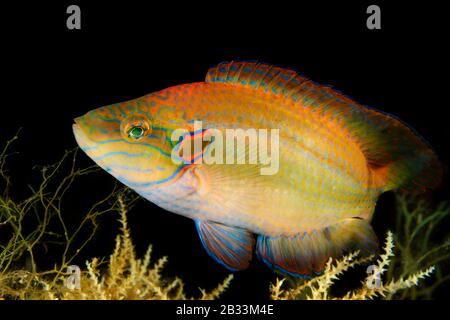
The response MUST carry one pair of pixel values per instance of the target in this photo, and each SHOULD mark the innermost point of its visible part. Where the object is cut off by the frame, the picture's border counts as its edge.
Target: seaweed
(24, 224)
(422, 241)
(125, 277)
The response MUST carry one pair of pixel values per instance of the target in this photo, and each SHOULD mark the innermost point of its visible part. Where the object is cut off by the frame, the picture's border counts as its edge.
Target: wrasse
(335, 158)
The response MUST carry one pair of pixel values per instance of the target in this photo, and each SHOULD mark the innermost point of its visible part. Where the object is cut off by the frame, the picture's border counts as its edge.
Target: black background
(128, 49)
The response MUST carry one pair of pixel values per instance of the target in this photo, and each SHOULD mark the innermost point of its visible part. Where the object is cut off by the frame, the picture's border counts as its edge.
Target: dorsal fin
(398, 157)
(257, 75)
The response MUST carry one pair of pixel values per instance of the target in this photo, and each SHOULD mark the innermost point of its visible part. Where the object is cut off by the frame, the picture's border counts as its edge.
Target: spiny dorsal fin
(398, 157)
(259, 76)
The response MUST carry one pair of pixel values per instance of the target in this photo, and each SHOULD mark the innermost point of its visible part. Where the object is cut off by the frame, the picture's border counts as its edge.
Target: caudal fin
(399, 158)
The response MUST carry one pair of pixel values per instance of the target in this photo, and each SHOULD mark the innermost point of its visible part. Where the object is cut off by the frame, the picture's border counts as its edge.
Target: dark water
(125, 51)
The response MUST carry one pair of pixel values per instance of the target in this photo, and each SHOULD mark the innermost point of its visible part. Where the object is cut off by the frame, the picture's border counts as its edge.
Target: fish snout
(80, 134)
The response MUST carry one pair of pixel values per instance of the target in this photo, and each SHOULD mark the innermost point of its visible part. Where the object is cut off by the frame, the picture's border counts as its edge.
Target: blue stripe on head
(121, 153)
(133, 184)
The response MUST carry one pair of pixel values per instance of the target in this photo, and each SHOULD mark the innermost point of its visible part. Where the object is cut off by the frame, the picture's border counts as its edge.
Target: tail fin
(398, 157)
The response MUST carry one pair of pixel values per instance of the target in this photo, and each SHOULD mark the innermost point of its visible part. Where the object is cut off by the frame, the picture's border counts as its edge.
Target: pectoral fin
(230, 246)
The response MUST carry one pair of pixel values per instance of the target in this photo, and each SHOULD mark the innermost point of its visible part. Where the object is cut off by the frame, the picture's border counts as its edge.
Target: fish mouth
(87, 145)
(83, 141)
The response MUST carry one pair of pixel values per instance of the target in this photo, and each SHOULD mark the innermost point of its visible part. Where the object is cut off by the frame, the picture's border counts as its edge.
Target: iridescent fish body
(335, 158)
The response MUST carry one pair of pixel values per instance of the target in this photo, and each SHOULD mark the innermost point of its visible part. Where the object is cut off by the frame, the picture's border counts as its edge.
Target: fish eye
(135, 127)
(136, 132)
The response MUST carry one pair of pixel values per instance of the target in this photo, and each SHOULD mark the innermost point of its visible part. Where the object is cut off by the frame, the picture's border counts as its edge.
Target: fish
(334, 156)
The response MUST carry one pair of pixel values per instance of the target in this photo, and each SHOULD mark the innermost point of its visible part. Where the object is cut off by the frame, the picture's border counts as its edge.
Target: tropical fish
(335, 159)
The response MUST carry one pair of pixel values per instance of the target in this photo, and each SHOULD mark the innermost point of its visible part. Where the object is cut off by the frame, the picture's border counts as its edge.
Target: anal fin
(306, 254)
(230, 246)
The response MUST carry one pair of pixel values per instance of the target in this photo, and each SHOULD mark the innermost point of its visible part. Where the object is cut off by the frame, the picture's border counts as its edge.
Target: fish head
(126, 140)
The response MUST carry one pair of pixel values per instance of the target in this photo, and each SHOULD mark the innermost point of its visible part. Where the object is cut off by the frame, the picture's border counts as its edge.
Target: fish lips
(80, 136)
(87, 145)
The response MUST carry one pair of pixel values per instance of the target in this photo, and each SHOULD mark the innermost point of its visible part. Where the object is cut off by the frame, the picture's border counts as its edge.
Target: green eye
(136, 132)
(135, 128)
